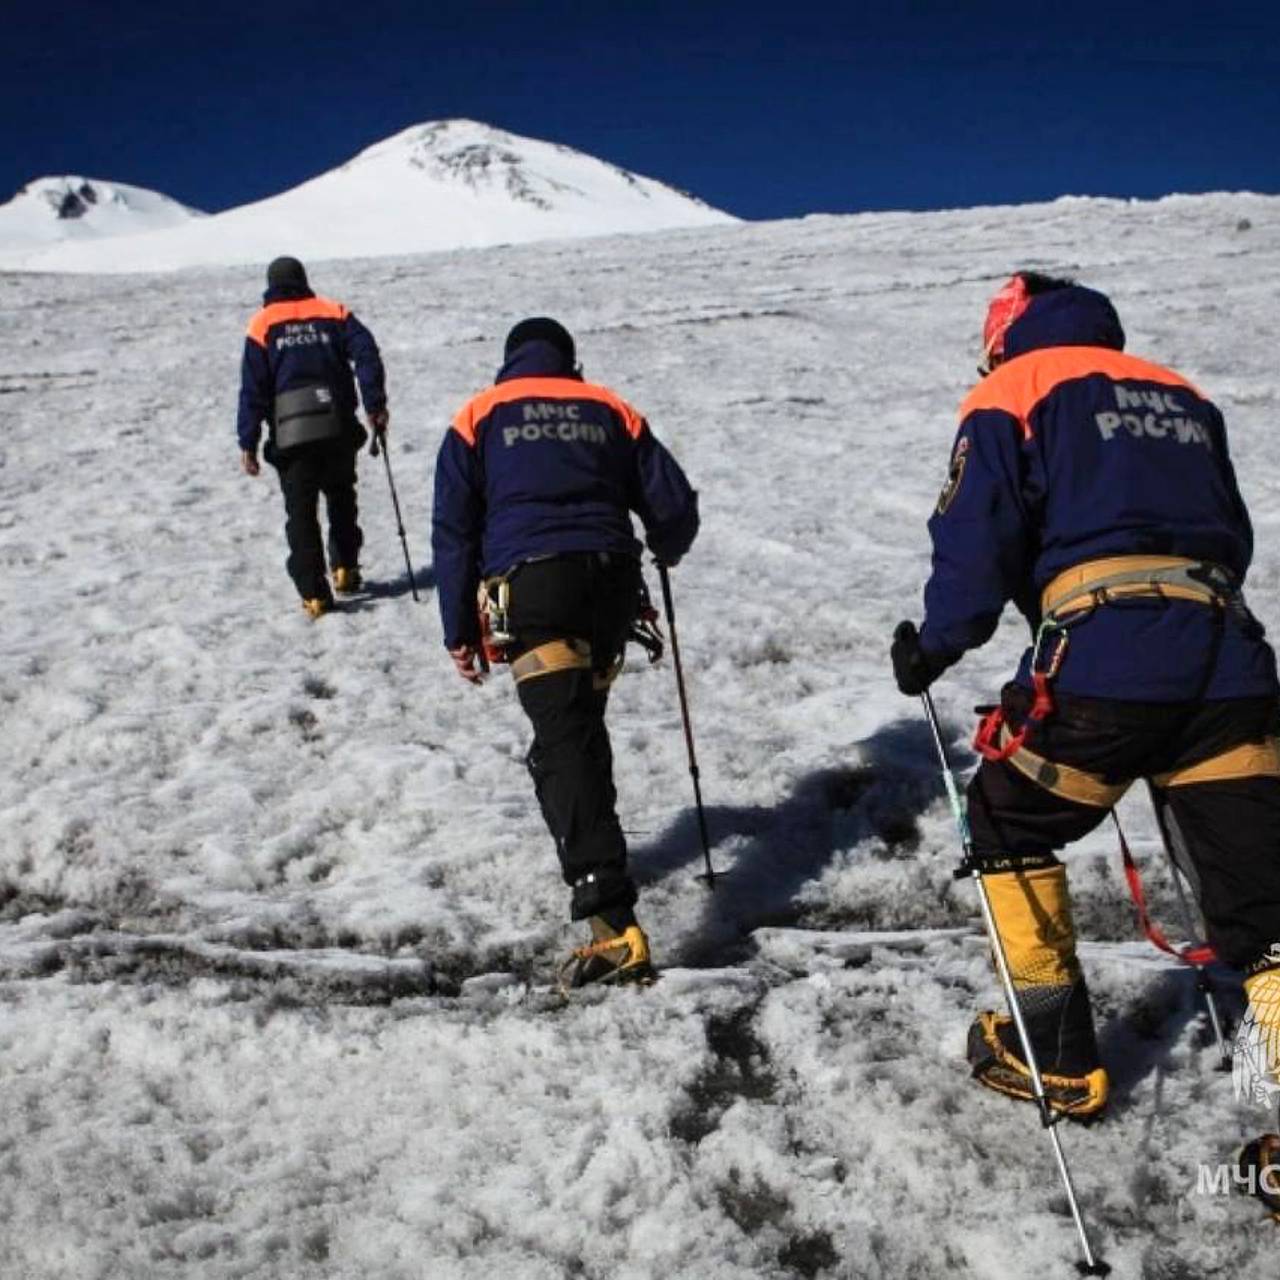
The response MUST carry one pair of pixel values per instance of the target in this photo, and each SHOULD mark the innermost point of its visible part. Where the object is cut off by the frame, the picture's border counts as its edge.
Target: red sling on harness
(1197, 955)
(988, 735)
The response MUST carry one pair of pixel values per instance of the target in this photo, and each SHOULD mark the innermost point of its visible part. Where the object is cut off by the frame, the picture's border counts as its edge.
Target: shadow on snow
(779, 848)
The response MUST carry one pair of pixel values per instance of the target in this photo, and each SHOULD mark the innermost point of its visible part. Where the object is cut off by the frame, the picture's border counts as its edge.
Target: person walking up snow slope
(1095, 490)
(296, 375)
(534, 484)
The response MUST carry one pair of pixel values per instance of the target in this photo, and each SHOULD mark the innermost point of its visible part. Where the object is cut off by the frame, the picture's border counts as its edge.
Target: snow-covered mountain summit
(524, 171)
(51, 211)
(444, 185)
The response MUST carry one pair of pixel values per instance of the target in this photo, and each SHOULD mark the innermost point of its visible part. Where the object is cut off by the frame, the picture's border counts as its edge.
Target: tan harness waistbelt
(1248, 760)
(1115, 577)
(1062, 779)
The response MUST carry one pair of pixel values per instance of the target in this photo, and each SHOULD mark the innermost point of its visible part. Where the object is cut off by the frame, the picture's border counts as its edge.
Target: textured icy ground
(248, 864)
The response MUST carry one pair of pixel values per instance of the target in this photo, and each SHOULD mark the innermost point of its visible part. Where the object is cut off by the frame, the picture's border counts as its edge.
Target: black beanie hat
(542, 329)
(287, 273)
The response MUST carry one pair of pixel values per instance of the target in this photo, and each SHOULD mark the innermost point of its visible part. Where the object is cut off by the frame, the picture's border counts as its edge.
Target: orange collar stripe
(302, 309)
(1019, 386)
(469, 417)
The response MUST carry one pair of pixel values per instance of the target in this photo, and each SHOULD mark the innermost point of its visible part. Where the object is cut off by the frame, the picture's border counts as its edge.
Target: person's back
(537, 492)
(1073, 452)
(557, 465)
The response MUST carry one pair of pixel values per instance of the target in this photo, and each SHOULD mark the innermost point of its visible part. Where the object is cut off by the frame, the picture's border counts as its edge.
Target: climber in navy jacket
(296, 375)
(1095, 491)
(535, 484)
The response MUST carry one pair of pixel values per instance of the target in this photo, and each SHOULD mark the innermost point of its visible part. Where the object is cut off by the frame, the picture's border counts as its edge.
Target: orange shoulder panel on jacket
(1016, 388)
(468, 418)
(299, 309)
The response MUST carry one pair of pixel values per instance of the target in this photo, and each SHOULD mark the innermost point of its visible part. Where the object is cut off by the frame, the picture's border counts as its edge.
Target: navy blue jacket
(1071, 451)
(542, 464)
(299, 340)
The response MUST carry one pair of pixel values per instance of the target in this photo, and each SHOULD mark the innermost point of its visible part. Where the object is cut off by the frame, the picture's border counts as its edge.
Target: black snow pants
(306, 472)
(590, 597)
(1229, 826)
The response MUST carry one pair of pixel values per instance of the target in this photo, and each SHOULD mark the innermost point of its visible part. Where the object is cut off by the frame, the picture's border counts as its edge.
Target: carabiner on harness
(1051, 638)
(645, 629)
(493, 602)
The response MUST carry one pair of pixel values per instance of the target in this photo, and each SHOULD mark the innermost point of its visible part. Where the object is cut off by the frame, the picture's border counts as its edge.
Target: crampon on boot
(347, 579)
(612, 956)
(1258, 1171)
(999, 1066)
(1032, 912)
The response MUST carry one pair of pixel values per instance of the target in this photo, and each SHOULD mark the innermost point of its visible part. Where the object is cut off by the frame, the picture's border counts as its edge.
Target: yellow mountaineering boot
(612, 955)
(346, 579)
(1032, 911)
(317, 606)
(1257, 1079)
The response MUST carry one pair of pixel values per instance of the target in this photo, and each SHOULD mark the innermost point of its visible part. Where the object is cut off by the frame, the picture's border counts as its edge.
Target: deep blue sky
(767, 110)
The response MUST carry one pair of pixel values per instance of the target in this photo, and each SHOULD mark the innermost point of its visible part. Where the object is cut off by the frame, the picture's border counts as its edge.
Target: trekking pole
(1089, 1266)
(380, 439)
(665, 578)
(1203, 985)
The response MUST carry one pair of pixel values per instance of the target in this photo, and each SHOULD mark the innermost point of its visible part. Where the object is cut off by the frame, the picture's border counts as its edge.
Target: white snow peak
(445, 185)
(55, 210)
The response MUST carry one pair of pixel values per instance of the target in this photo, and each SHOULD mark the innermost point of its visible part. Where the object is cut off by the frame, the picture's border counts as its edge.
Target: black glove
(913, 668)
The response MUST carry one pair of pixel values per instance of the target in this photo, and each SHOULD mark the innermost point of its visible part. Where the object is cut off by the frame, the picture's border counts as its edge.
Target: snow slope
(53, 212)
(449, 184)
(277, 904)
